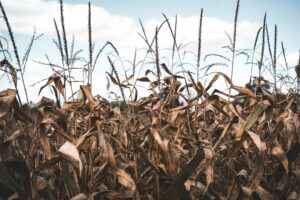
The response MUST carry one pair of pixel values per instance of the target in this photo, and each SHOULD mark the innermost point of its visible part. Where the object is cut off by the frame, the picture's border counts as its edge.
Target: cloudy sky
(117, 21)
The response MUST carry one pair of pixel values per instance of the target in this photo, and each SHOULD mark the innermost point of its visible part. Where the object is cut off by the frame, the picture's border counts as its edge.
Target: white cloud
(122, 31)
(292, 59)
(26, 14)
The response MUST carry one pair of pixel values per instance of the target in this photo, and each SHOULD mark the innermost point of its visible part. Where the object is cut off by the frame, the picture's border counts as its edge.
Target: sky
(117, 21)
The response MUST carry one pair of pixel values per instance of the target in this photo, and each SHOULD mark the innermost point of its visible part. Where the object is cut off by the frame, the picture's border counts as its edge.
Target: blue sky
(117, 21)
(284, 13)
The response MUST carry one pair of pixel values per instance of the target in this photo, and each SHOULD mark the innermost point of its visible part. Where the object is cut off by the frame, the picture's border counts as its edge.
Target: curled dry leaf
(162, 143)
(126, 180)
(70, 152)
(7, 97)
(86, 90)
(209, 170)
(261, 146)
(278, 152)
(144, 79)
(290, 128)
(57, 82)
(242, 178)
(12, 71)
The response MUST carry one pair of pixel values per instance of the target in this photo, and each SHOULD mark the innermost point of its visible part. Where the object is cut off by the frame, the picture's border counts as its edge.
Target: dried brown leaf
(278, 152)
(70, 152)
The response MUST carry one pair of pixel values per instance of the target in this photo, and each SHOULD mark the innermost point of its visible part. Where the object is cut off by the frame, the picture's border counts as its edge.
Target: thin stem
(285, 61)
(65, 45)
(275, 58)
(11, 35)
(234, 44)
(174, 43)
(262, 48)
(90, 46)
(61, 54)
(253, 51)
(157, 57)
(199, 44)
(297, 69)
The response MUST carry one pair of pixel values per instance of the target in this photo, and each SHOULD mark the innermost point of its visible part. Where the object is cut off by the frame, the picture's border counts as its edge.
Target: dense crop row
(167, 145)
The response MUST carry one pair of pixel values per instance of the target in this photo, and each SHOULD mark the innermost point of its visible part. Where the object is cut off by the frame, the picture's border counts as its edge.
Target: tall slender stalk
(174, 43)
(234, 43)
(275, 58)
(199, 44)
(90, 47)
(59, 43)
(269, 45)
(65, 45)
(253, 52)
(11, 35)
(60, 48)
(297, 69)
(262, 47)
(157, 57)
(196, 124)
(285, 61)
(62, 19)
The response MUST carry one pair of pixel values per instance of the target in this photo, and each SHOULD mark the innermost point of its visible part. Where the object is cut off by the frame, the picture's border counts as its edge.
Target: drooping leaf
(252, 118)
(144, 79)
(86, 90)
(278, 152)
(57, 82)
(70, 152)
(7, 97)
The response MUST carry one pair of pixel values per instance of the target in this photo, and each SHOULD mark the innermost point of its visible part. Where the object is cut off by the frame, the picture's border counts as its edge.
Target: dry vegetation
(214, 146)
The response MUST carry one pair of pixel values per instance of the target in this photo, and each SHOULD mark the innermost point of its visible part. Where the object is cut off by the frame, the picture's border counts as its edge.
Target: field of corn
(184, 140)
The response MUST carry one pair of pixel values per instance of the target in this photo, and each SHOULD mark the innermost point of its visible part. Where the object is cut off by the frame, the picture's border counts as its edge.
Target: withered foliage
(213, 145)
(152, 148)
